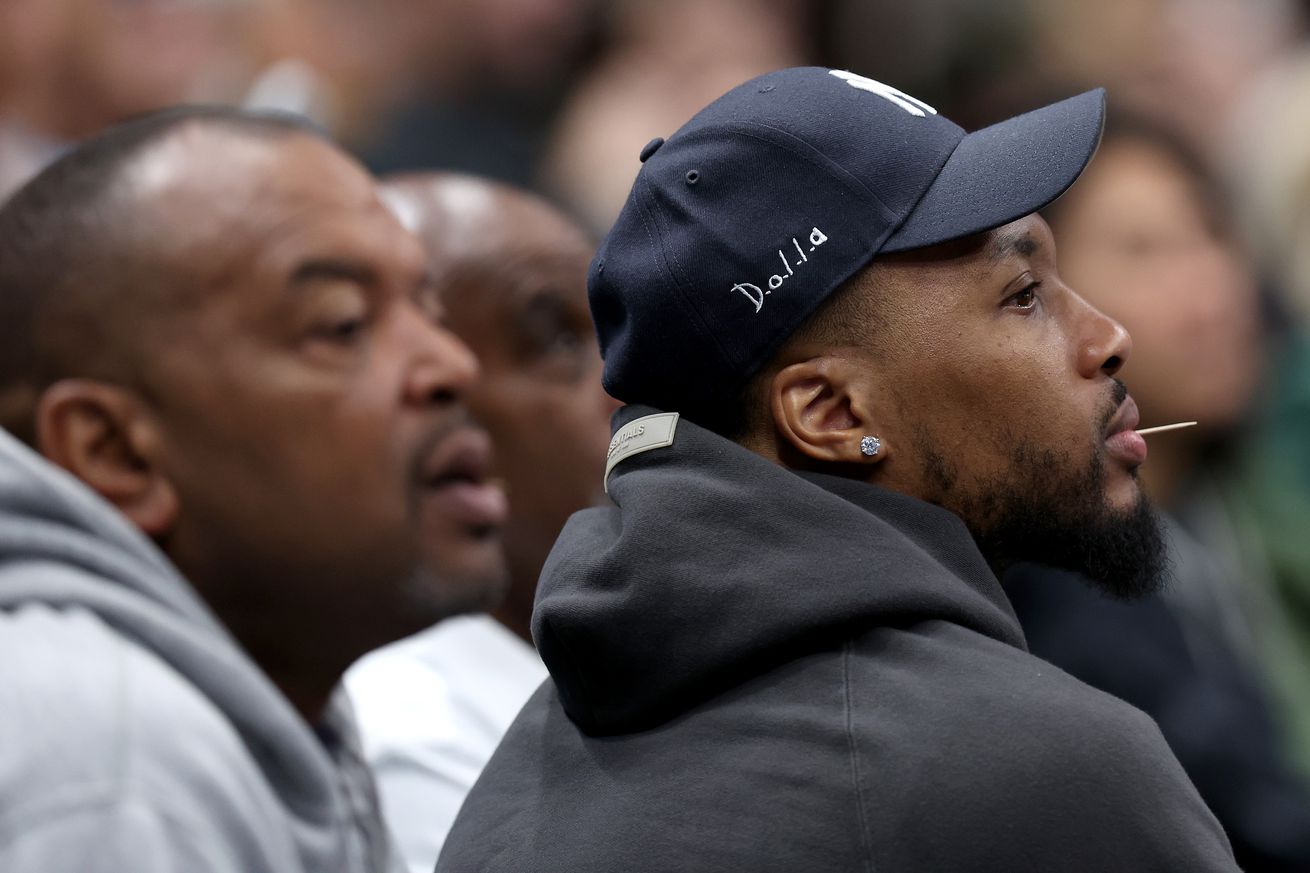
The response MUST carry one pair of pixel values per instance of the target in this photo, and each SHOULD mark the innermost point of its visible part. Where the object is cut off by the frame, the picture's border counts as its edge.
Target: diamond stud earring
(870, 446)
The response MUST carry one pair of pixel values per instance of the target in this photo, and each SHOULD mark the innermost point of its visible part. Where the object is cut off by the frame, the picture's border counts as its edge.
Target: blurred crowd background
(1192, 227)
(561, 94)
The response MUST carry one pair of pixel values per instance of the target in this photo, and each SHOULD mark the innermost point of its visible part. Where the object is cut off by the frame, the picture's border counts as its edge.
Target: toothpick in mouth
(1164, 427)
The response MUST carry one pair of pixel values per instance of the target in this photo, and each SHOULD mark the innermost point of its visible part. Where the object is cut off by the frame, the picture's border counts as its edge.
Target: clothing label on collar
(640, 435)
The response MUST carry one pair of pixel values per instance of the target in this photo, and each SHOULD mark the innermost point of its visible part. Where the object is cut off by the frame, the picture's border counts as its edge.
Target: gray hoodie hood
(63, 547)
(699, 577)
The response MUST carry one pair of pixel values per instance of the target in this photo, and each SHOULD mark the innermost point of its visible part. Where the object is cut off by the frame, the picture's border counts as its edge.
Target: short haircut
(68, 272)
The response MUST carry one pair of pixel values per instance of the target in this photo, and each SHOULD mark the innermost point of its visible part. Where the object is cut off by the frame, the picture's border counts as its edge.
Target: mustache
(1118, 394)
(456, 422)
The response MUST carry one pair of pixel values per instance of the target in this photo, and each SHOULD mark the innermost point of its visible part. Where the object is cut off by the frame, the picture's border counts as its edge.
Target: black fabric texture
(1210, 709)
(756, 670)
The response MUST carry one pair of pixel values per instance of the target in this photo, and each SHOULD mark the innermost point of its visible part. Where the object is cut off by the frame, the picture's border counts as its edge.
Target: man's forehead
(493, 236)
(224, 196)
(1024, 238)
(203, 167)
(466, 218)
(520, 280)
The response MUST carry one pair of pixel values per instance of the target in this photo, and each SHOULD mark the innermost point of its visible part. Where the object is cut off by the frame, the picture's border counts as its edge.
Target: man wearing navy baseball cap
(857, 389)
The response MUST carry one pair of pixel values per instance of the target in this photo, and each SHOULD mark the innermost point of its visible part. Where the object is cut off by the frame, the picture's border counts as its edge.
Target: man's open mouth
(456, 481)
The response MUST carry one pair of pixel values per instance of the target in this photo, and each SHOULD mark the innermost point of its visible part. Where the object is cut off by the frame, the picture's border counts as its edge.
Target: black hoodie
(757, 670)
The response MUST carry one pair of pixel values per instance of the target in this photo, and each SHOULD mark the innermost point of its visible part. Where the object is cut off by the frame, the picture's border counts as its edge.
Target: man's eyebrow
(1023, 245)
(333, 270)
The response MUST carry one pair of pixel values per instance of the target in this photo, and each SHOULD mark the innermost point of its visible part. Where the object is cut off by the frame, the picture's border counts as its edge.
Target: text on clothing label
(640, 435)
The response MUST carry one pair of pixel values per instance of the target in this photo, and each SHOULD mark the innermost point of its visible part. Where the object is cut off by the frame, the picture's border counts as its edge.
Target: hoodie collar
(715, 565)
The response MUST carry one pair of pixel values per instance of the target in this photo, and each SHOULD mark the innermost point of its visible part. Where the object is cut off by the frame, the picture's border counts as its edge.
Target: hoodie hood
(62, 546)
(715, 565)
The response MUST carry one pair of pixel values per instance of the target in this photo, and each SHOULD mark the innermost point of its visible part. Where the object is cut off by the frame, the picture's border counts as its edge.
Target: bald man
(246, 463)
(512, 273)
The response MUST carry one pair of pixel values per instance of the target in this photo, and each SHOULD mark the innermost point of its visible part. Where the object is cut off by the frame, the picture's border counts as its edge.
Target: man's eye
(549, 329)
(337, 314)
(543, 342)
(1025, 299)
(344, 331)
(566, 342)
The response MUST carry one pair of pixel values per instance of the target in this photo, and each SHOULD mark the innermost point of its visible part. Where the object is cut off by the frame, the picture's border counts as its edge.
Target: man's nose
(1105, 346)
(443, 368)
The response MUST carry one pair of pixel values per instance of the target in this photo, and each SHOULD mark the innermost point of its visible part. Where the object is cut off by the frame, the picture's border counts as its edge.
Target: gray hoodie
(135, 735)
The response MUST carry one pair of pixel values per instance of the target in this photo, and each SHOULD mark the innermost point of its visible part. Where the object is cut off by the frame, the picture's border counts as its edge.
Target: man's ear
(103, 435)
(819, 414)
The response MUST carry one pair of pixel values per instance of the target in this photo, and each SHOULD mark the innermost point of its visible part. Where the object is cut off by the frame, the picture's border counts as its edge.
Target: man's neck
(515, 611)
(517, 620)
(304, 654)
(303, 668)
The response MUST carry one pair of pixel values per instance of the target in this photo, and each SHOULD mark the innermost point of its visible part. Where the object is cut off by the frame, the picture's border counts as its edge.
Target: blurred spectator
(512, 272)
(490, 78)
(404, 82)
(1269, 165)
(1184, 61)
(664, 63)
(72, 67)
(344, 64)
(938, 50)
(283, 478)
(1144, 238)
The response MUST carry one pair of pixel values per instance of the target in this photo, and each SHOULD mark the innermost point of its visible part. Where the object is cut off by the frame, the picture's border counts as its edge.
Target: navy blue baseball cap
(745, 220)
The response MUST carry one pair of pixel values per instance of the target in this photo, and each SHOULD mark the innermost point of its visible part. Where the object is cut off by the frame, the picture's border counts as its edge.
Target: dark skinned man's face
(512, 274)
(310, 397)
(1004, 406)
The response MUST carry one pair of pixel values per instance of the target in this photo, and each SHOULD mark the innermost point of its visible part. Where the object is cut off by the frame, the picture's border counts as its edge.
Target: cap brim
(1004, 172)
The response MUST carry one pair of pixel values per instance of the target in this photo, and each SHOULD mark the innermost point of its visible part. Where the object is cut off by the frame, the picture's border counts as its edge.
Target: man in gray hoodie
(242, 425)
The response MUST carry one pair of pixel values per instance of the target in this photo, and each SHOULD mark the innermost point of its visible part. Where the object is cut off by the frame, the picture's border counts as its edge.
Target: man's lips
(455, 481)
(1122, 439)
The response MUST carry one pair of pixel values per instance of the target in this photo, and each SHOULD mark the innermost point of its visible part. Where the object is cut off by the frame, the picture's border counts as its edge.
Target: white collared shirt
(431, 709)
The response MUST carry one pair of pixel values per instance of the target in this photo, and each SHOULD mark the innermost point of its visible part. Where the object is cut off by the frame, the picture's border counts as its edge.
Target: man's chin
(1125, 554)
(1122, 552)
(1124, 492)
(1048, 508)
(460, 575)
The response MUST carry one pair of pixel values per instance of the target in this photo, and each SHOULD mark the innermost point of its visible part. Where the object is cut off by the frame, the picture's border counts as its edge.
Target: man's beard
(1045, 511)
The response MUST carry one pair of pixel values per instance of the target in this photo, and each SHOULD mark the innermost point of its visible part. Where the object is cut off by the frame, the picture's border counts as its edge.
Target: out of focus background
(561, 94)
(1192, 227)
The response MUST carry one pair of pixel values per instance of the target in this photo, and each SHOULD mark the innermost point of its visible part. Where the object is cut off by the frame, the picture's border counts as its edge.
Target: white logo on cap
(755, 294)
(912, 105)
